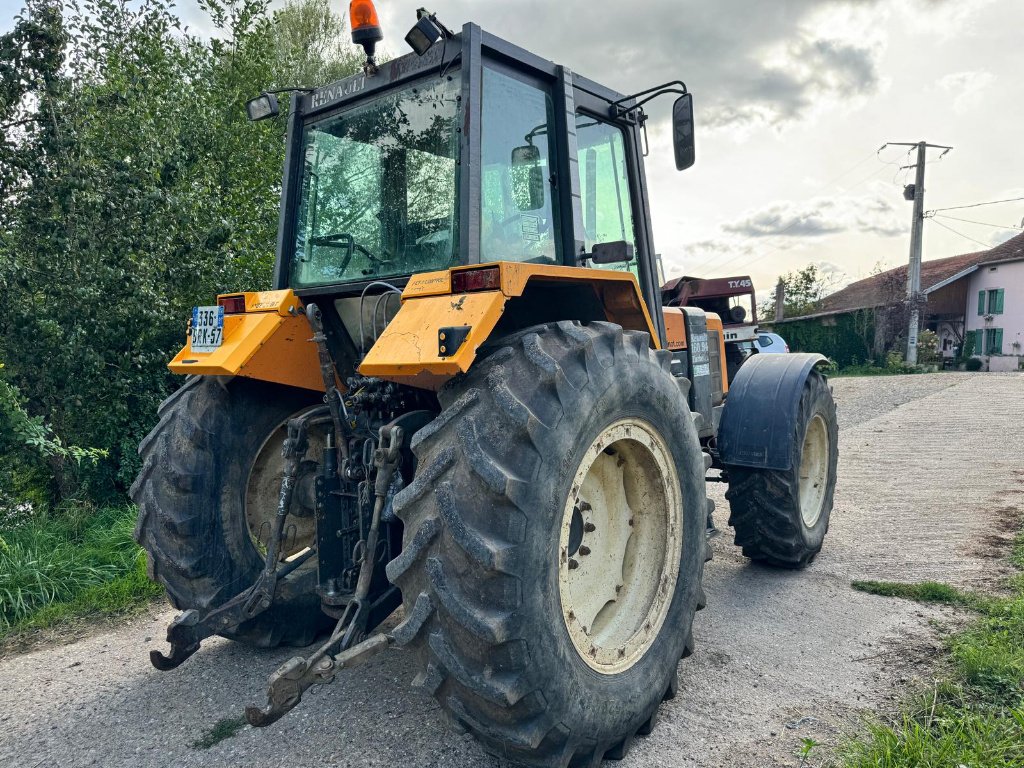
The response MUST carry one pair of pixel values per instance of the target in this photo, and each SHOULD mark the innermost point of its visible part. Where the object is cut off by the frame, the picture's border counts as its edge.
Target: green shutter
(979, 342)
(981, 302)
(997, 341)
(997, 302)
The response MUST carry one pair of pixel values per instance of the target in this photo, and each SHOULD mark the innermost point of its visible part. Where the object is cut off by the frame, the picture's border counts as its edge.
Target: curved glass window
(518, 212)
(378, 196)
(604, 184)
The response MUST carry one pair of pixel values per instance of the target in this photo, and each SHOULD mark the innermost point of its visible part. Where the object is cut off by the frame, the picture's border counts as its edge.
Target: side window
(518, 216)
(604, 183)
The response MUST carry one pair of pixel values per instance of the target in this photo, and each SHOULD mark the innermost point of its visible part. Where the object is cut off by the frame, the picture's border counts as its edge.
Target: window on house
(990, 302)
(993, 341)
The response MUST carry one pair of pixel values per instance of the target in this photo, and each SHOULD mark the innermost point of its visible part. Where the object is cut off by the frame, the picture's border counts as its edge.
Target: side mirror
(527, 178)
(262, 107)
(682, 132)
(612, 253)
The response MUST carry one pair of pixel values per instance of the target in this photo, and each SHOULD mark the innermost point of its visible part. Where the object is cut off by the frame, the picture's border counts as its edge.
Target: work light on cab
(366, 30)
(427, 31)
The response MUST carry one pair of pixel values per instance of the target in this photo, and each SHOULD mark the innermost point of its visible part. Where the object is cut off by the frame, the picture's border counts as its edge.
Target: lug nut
(573, 564)
(589, 527)
(585, 506)
(584, 550)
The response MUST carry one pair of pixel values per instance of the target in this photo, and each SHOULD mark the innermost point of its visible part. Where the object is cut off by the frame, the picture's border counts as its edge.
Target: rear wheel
(207, 496)
(781, 517)
(554, 544)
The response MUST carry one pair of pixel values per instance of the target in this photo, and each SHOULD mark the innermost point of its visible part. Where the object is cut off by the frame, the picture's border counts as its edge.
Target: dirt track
(930, 484)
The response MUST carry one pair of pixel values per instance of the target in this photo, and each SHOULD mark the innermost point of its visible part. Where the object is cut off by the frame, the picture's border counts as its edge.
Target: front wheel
(781, 517)
(554, 544)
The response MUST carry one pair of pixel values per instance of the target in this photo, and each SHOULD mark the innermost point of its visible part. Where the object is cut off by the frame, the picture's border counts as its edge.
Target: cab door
(613, 193)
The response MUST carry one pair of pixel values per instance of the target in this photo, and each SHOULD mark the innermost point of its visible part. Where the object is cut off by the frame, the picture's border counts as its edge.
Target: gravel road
(930, 486)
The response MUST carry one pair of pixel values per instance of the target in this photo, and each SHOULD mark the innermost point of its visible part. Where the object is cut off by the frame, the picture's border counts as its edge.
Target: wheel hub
(264, 486)
(620, 545)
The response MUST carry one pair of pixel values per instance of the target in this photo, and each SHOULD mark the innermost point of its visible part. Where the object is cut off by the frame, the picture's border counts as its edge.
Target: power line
(987, 245)
(972, 221)
(978, 205)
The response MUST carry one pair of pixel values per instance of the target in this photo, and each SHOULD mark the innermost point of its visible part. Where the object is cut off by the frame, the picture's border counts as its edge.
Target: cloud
(747, 63)
(873, 214)
(1000, 237)
(808, 220)
(812, 72)
(966, 88)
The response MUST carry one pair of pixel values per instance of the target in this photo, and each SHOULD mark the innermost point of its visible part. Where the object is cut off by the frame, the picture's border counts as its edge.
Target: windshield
(378, 194)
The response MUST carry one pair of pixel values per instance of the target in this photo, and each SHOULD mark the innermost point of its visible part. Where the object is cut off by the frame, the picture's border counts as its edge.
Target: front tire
(781, 517)
(207, 466)
(486, 571)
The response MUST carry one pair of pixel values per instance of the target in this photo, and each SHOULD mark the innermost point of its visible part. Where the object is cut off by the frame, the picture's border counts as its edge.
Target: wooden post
(780, 300)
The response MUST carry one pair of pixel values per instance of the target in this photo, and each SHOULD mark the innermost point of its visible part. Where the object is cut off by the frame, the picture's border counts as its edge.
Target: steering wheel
(346, 241)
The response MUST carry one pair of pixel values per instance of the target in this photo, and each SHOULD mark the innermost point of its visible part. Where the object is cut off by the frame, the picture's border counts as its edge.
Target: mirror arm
(619, 109)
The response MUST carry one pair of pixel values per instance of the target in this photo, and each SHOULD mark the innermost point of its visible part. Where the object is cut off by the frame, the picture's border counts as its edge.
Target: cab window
(604, 184)
(518, 216)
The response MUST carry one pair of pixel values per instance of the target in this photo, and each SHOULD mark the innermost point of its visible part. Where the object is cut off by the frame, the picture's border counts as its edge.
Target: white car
(770, 343)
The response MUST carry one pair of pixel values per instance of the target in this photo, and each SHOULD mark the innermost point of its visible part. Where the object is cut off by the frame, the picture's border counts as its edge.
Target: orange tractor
(463, 404)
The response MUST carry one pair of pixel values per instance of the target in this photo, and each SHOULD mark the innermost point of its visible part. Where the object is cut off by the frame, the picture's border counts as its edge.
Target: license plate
(207, 328)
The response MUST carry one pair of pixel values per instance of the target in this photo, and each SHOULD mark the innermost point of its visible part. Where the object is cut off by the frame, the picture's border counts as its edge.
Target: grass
(222, 729)
(58, 568)
(975, 718)
(928, 592)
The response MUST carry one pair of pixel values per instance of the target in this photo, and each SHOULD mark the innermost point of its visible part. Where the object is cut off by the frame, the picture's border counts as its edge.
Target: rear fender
(436, 334)
(757, 423)
(270, 341)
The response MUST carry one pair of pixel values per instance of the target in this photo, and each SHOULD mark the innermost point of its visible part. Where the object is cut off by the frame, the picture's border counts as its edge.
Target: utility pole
(916, 240)
(780, 300)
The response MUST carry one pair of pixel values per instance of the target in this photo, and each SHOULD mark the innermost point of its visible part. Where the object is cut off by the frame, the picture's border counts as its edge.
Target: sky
(794, 99)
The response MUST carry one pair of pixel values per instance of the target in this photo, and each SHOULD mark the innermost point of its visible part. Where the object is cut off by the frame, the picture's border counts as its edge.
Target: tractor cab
(467, 151)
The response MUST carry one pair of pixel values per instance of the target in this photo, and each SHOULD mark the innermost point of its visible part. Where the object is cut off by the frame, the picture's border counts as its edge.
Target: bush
(974, 364)
(133, 187)
(928, 347)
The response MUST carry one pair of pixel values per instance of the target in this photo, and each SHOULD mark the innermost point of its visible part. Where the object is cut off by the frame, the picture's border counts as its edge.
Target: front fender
(757, 423)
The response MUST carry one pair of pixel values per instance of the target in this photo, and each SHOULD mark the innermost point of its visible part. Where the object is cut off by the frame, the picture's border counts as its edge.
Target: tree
(804, 291)
(132, 186)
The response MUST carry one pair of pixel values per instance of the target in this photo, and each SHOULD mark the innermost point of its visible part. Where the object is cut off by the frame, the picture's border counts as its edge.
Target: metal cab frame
(464, 57)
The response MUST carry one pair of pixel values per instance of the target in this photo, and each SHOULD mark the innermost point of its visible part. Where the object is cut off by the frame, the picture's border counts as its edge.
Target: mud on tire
(765, 505)
(190, 495)
(479, 569)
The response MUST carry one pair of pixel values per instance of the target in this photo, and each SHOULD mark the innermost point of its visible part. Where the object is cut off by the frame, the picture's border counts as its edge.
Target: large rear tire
(781, 517)
(565, 438)
(208, 462)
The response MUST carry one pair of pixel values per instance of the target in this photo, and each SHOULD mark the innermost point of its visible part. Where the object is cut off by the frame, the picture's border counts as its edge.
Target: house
(975, 299)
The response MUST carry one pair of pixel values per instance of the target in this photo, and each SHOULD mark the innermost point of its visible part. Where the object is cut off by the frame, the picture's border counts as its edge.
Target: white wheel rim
(619, 563)
(814, 471)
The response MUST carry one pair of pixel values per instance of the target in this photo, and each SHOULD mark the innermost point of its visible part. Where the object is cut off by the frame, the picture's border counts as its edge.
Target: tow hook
(291, 679)
(294, 677)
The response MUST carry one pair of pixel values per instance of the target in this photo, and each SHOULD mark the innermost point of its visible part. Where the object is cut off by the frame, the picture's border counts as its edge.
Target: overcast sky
(793, 99)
